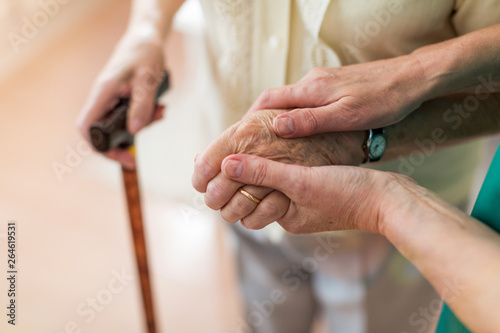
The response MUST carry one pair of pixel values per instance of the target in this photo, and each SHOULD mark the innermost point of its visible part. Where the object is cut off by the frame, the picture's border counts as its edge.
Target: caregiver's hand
(321, 198)
(425, 229)
(254, 135)
(135, 69)
(356, 97)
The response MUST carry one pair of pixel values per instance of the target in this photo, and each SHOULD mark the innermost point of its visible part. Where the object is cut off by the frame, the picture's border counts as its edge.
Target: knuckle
(259, 174)
(270, 208)
(247, 223)
(210, 202)
(236, 211)
(198, 186)
(202, 167)
(310, 120)
(214, 196)
(265, 98)
(228, 215)
(252, 224)
(236, 131)
(350, 115)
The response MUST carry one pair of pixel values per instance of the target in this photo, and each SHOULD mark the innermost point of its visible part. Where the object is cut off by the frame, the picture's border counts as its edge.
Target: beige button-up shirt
(260, 44)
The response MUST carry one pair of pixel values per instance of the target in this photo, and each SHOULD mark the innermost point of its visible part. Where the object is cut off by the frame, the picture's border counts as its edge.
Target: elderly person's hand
(135, 70)
(254, 135)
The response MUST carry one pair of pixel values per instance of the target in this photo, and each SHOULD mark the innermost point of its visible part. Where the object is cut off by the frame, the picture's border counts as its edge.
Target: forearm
(444, 122)
(153, 16)
(457, 254)
(459, 64)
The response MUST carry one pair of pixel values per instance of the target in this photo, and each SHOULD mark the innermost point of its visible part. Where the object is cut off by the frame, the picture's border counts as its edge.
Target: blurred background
(74, 243)
(73, 229)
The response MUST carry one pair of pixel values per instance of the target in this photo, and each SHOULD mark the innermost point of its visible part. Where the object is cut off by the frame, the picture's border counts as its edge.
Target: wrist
(394, 203)
(440, 69)
(144, 33)
(151, 24)
(411, 76)
(379, 206)
(355, 148)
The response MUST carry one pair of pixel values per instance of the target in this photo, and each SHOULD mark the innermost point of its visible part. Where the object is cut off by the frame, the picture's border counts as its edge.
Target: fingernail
(285, 125)
(233, 168)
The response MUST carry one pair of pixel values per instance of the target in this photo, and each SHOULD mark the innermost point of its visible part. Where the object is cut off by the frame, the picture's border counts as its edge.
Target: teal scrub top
(485, 210)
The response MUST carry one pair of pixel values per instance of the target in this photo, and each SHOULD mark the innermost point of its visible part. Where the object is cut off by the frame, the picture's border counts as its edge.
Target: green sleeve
(486, 211)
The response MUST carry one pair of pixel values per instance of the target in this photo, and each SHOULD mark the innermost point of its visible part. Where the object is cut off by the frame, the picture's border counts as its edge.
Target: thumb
(304, 122)
(254, 170)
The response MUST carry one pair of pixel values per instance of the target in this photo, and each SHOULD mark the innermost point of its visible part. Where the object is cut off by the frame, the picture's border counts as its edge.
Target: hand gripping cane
(106, 134)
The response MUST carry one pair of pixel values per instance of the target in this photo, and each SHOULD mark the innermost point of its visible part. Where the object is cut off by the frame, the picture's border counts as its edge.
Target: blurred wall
(29, 26)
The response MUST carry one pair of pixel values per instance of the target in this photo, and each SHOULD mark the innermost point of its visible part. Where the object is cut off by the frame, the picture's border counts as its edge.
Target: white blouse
(260, 44)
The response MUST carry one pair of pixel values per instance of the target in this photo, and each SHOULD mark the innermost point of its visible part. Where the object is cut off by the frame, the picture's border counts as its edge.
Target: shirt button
(274, 42)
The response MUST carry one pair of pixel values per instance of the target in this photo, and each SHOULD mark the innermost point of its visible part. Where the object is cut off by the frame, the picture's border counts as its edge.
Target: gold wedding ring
(249, 196)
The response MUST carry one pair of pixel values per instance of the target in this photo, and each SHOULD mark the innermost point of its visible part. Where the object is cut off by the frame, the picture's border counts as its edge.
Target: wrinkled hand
(135, 70)
(254, 135)
(326, 198)
(356, 97)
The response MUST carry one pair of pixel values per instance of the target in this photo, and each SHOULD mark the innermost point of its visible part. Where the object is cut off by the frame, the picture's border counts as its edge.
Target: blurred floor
(73, 235)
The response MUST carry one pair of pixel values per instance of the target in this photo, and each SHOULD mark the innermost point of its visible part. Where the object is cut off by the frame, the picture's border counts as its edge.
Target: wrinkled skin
(254, 135)
(327, 198)
(134, 70)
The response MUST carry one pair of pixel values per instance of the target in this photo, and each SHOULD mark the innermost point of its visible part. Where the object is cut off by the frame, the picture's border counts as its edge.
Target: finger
(272, 208)
(207, 164)
(297, 95)
(143, 100)
(309, 121)
(240, 206)
(219, 191)
(102, 99)
(159, 112)
(123, 156)
(254, 170)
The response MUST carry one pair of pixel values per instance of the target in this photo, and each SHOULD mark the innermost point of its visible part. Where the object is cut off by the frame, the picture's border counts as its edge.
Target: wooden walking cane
(111, 132)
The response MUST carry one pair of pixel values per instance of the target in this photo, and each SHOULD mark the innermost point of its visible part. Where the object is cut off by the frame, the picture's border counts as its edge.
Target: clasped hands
(293, 178)
(285, 158)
